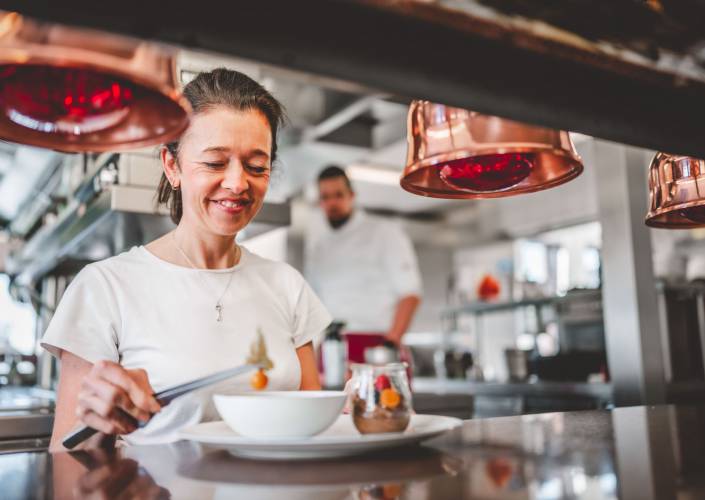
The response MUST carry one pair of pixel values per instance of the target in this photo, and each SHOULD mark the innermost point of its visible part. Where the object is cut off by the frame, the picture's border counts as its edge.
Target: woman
(189, 303)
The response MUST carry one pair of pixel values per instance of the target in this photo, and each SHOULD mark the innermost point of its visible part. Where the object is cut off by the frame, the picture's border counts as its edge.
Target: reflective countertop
(638, 452)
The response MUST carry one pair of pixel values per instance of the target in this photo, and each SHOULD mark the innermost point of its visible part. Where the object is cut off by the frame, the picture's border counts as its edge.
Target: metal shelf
(601, 391)
(491, 307)
(112, 222)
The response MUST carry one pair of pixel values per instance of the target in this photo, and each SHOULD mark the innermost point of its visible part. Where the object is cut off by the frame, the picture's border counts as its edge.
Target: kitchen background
(585, 306)
(543, 341)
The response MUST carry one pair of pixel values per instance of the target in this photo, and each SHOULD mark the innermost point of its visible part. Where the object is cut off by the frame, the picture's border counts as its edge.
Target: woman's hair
(221, 87)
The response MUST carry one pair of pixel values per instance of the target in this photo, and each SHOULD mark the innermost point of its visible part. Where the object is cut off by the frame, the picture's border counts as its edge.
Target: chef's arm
(404, 314)
(309, 370)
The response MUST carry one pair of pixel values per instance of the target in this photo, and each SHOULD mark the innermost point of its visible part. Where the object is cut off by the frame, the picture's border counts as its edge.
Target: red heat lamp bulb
(694, 214)
(65, 100)
(487, 173)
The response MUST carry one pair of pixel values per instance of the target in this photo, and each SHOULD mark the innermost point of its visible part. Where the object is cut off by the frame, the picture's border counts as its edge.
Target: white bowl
(274, 414)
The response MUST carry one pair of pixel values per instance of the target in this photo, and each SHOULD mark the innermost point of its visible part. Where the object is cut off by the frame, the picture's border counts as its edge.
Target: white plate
(340, 439)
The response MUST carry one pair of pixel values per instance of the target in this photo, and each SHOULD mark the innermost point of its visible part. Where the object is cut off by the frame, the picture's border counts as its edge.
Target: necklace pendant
(219, 311)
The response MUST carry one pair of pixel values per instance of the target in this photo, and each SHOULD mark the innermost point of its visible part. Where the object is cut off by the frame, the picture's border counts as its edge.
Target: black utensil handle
(78, 436)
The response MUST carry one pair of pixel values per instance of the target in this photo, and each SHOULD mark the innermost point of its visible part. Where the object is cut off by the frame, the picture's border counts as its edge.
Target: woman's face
(223, 169)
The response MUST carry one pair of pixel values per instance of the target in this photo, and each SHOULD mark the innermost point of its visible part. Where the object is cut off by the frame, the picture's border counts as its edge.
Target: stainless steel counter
(26, 418)
(25, 425)
(601, 391)
(644, 453)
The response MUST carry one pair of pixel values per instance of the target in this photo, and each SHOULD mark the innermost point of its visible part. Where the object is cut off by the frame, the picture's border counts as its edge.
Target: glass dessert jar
(381, 398)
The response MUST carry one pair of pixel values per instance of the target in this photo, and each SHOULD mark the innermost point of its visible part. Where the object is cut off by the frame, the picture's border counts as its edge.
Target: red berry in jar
(382, 382)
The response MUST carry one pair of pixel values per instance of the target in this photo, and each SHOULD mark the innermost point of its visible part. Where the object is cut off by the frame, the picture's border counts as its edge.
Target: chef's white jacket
(361, 270)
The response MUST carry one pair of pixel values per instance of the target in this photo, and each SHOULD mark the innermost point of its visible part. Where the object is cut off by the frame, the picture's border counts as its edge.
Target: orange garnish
(391, 491)
(390, 398)
(259, 380)
(500, 472)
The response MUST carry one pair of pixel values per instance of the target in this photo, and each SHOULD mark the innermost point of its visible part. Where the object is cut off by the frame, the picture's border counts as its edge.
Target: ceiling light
(75, 90)
(676, 192)
(456, 153)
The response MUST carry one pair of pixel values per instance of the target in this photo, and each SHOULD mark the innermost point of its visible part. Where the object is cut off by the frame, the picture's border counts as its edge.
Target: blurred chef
(364, 269)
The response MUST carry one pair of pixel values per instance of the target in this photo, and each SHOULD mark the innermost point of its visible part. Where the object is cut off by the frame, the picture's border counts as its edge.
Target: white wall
(436, 266)
(270, 245)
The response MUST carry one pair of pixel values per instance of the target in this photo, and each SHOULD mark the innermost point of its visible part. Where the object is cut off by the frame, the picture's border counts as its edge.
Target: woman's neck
(204, 251)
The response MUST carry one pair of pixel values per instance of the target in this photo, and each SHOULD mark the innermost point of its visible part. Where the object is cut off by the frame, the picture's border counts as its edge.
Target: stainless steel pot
(517, 364)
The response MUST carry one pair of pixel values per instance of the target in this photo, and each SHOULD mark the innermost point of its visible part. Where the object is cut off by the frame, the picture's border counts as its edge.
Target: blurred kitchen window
(532, 261)
(562, 271)
(591, 268)
(17, 321)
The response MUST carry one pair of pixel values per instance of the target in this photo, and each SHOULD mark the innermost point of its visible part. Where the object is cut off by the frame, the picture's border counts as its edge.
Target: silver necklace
(218, 304)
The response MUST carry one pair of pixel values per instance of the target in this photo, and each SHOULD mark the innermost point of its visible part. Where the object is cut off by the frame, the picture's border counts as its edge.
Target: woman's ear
(170, 165)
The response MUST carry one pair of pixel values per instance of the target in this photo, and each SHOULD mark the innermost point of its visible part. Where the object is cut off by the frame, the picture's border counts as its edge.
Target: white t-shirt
(144, 312)
(361, 270)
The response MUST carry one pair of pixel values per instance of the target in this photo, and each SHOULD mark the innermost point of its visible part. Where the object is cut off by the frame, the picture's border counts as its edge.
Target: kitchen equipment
(339, 440)
(74, 89)
(381, 397)
(280, 414)
(580, 322)
(164, 398)
(381, 355)
(457, 153)
(573, 366)
(334, 356)
(517, 364)
(457, 363)
(683, 313)
(676, 192)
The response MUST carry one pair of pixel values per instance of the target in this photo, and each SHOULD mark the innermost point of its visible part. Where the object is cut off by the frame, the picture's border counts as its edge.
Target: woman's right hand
(110, 395)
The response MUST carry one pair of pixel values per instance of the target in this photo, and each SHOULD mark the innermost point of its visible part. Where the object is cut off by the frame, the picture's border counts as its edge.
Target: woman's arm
(100, 395)
(309, 369)
(73, 371)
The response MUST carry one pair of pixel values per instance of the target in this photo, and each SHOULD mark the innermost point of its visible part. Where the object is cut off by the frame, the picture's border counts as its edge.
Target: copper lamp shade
(676, 192)
(456, 153)
(77, 90)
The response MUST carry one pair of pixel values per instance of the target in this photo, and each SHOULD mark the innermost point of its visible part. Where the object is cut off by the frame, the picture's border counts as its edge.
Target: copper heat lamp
(456, 153)
(76, 90)
(676, 192)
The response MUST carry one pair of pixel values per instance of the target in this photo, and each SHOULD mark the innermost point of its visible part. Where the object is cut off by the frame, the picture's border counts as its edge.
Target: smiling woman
(222, 92)
(220, 173)
(191, 302)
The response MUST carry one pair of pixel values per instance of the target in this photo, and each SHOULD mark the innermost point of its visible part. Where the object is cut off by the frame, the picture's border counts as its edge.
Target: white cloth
(144, 312)
(361, 270)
